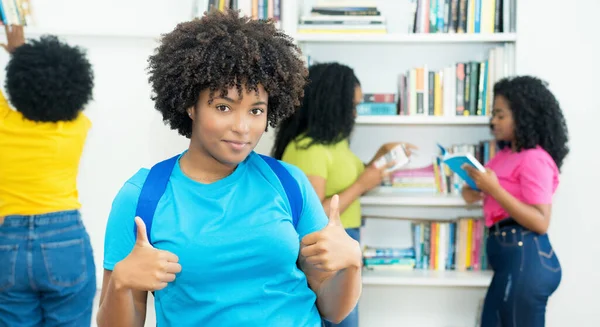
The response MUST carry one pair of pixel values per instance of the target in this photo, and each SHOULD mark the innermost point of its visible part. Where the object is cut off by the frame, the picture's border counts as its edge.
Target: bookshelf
(378, 59)
(428, 278)
(422, 120)
(416, 200)
(407, 38)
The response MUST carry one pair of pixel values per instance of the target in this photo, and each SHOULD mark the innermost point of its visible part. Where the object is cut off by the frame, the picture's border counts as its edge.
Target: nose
(241, 123)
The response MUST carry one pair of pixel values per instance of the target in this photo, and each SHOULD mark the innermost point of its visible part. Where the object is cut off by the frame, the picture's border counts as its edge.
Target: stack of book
(343, 17)
(389, 258)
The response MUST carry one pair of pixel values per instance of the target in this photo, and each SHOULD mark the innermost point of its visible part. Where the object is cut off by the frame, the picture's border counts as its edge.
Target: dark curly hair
(48, 80)
(327, 112)
(537, 115)
(219, 51)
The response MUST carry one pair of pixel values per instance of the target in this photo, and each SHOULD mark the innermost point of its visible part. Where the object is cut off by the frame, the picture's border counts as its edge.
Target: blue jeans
(47, 271)
(526, 273)
(352, 319)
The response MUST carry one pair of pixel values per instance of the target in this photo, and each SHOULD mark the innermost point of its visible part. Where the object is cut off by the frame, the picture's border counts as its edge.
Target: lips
(236, 145)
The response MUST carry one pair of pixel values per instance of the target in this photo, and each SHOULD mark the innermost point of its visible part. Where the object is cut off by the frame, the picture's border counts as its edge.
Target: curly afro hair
(48, 80)
(220, 51)
(327, 113)
(537, 115)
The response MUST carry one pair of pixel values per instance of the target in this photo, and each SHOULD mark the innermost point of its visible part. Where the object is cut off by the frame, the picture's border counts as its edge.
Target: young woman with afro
(316, 140)
(47, 271)
(517, 190)
(223, 249)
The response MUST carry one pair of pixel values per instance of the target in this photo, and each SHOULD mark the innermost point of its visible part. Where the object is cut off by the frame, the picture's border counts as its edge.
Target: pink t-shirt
(530, 176)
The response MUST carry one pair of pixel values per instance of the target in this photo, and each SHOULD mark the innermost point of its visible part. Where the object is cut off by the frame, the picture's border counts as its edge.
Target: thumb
(334, 211)
(141, 237)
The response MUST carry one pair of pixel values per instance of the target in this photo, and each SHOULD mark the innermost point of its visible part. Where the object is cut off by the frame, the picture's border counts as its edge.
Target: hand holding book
(486, 180)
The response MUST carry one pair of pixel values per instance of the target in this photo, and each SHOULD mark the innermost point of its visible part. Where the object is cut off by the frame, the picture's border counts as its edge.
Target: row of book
(460, 89)
(257, 9)
(436, 245)
(337, 17)
(463, 16)
(15, 12)
(437, 178)
(450, 245)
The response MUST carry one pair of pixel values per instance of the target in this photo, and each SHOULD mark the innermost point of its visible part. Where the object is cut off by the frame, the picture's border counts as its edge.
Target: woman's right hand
(146, 268)
(470, 195)
(14, 37)
(372, 176)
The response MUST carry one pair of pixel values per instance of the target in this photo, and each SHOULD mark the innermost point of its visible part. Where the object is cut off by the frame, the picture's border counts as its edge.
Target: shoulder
(260, 162)
(536, 157)
(131, 189)
(296, 172)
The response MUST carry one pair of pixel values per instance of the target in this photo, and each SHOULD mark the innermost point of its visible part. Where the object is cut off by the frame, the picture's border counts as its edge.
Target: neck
(202, 167)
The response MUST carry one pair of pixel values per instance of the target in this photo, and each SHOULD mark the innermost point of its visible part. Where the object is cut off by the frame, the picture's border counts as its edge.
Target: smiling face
(502, 123)
(229, 128)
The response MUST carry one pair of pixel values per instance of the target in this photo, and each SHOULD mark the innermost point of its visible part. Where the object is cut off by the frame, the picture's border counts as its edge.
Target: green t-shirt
(336, 163)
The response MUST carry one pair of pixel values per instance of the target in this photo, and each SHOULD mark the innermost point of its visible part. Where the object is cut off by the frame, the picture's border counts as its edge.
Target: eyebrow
(228, 99)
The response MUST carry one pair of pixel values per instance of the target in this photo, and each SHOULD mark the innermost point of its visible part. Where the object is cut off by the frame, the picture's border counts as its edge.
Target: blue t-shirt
(236, 245)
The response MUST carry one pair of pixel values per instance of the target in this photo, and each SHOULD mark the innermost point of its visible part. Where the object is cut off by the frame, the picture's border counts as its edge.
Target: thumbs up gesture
(331, 249)
(146, 268)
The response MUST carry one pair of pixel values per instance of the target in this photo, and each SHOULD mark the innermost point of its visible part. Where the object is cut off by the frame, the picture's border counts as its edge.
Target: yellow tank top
(336, 163)
(39, 163)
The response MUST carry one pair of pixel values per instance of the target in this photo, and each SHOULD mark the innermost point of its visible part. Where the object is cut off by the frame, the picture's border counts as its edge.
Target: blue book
(455, 161)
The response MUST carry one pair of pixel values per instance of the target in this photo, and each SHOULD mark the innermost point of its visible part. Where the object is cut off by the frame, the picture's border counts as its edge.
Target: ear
(191, 111)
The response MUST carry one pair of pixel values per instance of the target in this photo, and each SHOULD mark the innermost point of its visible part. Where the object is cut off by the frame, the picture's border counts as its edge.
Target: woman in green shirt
(315, 139)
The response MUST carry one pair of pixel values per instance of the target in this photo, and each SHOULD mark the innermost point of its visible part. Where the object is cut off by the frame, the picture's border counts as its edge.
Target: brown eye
(257, 111)
(222, 108)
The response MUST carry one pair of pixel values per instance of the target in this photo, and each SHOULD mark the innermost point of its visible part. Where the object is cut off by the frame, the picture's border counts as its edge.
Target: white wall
(559, 42)
(556, 41)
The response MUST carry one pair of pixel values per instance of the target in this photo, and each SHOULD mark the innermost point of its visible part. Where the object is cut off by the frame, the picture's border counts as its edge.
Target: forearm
(526, 215)
(347, 196)
(118, 308)
(338, 295)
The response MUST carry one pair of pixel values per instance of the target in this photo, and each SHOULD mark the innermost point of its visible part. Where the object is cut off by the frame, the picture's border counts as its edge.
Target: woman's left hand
(331, 249)
(486, 181)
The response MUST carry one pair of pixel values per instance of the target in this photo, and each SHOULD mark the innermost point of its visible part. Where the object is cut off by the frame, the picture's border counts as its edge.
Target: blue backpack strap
(290, 185)
(152, 191)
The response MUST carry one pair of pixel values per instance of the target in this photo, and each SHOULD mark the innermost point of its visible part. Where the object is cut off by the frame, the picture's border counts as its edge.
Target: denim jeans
(526, 273)
(47, 271)
(352, 319)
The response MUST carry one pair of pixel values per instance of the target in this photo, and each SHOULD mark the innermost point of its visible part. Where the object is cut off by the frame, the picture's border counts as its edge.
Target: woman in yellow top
(315, 139)
(47, 271)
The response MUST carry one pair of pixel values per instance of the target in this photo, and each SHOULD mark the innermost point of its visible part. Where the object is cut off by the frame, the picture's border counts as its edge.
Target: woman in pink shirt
(517, 189)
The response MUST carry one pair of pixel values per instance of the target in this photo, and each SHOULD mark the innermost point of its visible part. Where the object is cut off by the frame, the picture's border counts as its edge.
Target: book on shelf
(436, 245)
(462, 16)
(256, 9)
(15, 12)
(460, 89)
(328, 16)
(437, 177)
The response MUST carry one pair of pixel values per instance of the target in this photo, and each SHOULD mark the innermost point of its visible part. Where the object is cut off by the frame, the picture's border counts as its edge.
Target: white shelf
(447, 278)
(407, 38)
(423, 120)
(100, 33)
(379, 198)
